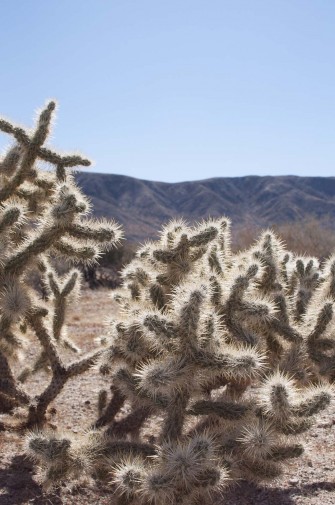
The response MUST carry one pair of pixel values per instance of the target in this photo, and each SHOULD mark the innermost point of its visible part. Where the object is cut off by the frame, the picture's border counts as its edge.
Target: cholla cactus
(223, 360)
(42, 215)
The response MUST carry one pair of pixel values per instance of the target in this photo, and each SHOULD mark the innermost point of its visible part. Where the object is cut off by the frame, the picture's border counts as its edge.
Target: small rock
(293, 482)
(324, 425)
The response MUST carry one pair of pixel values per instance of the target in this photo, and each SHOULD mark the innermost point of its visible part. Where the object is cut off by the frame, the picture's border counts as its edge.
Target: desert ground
(309, 480)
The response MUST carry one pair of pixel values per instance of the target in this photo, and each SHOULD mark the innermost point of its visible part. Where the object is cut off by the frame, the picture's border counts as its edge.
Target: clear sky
(176, 90)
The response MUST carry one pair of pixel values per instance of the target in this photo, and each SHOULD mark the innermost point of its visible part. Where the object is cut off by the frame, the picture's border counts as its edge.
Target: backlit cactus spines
(220, 359)
(228, 356)
(42, 215)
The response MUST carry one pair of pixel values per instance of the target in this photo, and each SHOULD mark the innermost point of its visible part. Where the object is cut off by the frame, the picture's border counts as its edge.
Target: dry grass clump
(311, 236)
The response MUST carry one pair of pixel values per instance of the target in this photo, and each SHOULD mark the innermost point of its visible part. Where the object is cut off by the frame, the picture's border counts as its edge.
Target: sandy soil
(309, 480)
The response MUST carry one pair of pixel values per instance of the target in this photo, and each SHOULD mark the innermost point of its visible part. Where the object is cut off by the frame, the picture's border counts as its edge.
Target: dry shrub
(311, 237)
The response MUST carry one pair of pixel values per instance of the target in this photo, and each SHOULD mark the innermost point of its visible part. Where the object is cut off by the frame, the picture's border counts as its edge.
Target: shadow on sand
(251, 494)
(17, 486)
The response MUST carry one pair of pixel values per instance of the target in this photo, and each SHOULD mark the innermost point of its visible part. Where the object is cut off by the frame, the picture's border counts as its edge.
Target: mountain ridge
(142, 206)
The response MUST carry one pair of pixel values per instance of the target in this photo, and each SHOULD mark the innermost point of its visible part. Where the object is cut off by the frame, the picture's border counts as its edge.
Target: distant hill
(143, 206)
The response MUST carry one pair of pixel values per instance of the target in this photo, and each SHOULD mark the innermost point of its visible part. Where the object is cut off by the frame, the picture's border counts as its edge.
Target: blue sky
(177, 90)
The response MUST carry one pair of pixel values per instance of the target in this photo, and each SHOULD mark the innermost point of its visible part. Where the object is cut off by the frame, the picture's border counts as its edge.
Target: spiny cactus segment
(42, 216)
(222, 360)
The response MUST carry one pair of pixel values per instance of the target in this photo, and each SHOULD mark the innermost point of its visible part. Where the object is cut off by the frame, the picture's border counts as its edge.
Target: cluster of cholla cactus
(218, 362)
(42, 217)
